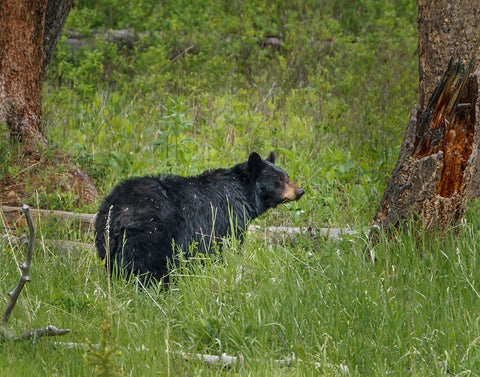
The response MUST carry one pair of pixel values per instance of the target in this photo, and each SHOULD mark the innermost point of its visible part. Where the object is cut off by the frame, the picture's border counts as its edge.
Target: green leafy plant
(104, 357)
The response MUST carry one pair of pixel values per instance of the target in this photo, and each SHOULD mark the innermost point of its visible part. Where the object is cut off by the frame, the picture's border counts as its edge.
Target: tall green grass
(413, 312)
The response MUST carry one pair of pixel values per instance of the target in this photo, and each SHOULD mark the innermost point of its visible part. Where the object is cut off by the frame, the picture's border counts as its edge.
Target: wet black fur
(146, 216)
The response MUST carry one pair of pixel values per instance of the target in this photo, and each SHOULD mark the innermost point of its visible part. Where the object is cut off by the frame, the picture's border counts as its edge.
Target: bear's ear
(271, 157)
(255, 164)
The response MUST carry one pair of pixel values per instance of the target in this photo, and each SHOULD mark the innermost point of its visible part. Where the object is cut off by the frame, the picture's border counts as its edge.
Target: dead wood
(43, 331)
(13, 217)
(222, 361)
(292, 232)
(227, 361)
(86, 222)
(24, 267)
(62, 246)
(15, 293)
(433, 173)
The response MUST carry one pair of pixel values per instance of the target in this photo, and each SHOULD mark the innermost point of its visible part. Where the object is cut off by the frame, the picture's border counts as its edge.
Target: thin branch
(24, 278)
(24, 267)
(43, 331)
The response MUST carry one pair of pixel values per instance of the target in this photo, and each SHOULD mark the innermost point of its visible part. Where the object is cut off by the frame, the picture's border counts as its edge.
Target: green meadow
(329, 86)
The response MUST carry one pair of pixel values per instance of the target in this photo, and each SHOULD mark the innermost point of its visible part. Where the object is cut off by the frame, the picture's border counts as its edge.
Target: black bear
(150, 219)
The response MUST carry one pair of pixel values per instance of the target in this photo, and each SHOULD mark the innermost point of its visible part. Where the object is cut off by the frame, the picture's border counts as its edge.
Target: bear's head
(273, 184)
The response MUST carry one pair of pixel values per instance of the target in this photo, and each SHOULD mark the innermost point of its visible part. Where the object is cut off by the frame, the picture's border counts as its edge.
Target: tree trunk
(29, 31)
(446, 29)
(56, 15)
(437, 171)
(433, 174)
(21, 70)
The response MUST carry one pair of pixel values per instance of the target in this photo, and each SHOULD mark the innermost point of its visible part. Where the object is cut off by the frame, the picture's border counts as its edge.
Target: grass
(413, 312)
(333, 102)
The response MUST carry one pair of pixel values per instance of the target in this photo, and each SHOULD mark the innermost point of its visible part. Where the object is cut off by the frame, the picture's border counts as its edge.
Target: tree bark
(438, 169)
(21, 70)
(55, 17)
(447, 28)
(433, 175)
(29, 31)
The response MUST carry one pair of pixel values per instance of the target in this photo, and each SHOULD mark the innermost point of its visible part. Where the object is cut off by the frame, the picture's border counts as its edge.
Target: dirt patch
(36, 180)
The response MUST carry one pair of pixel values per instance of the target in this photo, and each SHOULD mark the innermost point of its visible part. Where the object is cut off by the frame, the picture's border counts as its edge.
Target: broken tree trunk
(433, 174)
(446, 28)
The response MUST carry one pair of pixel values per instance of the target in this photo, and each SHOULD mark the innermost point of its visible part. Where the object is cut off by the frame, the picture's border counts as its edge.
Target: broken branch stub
(432, 176)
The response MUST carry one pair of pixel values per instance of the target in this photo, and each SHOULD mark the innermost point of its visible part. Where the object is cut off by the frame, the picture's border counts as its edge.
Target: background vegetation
(197, 89)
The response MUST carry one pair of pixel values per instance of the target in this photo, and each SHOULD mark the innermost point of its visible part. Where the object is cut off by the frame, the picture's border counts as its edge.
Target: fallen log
(12, 217)
(222, 361)
(227, 361)
(62, 246)
(291, 232)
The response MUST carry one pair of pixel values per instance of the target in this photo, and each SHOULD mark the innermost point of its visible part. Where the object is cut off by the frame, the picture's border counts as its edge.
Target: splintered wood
(448, 125)
(433, 173)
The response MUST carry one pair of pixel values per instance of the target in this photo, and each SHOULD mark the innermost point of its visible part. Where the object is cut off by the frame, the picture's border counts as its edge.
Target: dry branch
(15, 293)
(87, 220)
(43, 331)
(24, 267)
(227, 361)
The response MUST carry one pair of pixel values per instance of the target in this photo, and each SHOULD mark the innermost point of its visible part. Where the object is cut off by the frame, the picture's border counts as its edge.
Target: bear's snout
(299, 193)
(291, 192)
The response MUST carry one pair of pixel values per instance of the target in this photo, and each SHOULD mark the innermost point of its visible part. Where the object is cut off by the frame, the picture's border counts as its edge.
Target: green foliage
(103, 357)
(198, 89)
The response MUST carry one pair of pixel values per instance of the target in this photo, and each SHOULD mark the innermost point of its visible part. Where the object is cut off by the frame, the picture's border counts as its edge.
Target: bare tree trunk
(29, 31)
(57, 12)
(21, 70)
(437, 171)
(433, 174)
(447, 29)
